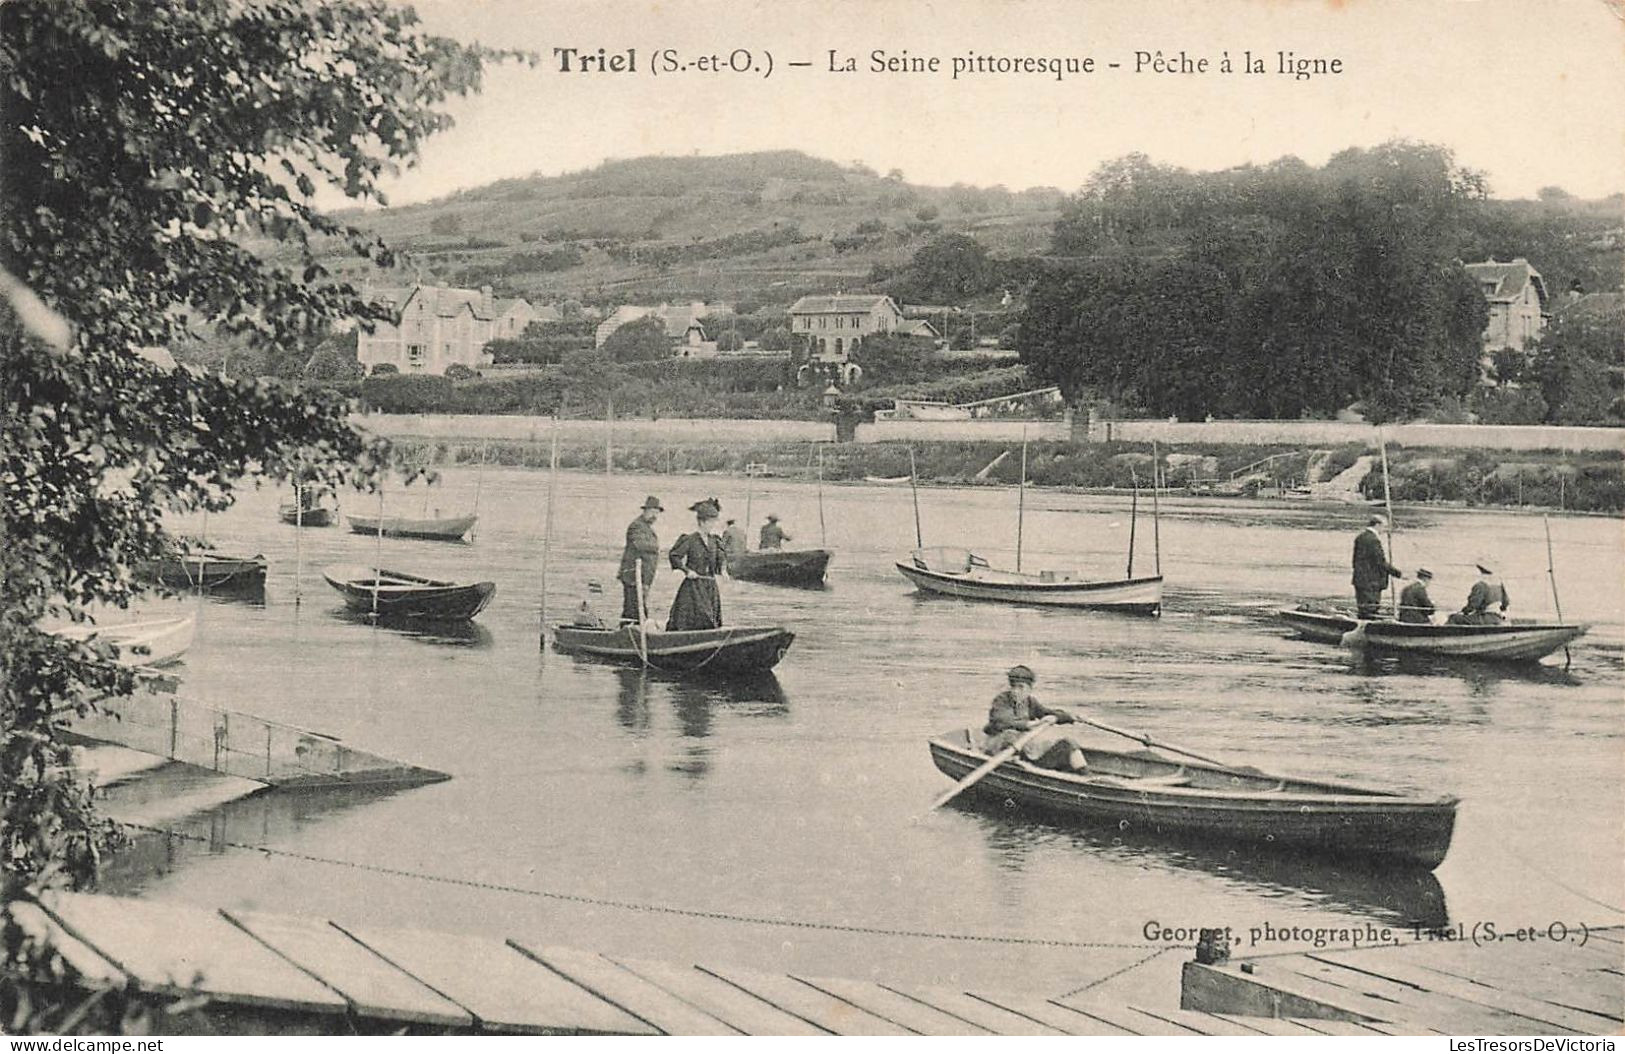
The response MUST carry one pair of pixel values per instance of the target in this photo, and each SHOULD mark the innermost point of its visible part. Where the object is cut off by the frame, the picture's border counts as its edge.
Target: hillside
(750, 229)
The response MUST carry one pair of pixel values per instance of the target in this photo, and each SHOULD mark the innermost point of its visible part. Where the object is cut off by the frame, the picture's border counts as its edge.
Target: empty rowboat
(785, 567)
(396, 594)
(960, 573)
(315, 516)
(211, 571)
(1146, 793)
(1514, 641)
(155, 642)
(727, 651)
(439, 529)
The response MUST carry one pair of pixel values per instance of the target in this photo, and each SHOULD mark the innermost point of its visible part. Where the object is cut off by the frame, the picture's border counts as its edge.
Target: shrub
(458, 372)
(412, 393)
(384, 369)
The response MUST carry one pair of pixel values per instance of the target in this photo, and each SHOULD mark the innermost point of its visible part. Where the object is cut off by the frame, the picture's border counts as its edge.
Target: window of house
(414, 356)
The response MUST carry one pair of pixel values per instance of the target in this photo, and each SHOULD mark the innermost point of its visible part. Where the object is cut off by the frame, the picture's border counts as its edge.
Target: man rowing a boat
(1371, 568)
(1015, 711)
(642, 548)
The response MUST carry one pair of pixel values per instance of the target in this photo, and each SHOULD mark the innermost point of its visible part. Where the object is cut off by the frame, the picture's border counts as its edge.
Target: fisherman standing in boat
(642, 549)
(1414, 603)
(773, 536)
(1371, 568)
(734, 540)
(701, 557)
(1015, 711)
(1487, 593)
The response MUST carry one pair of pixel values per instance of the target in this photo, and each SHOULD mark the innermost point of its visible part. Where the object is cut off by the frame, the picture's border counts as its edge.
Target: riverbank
(1499, 479)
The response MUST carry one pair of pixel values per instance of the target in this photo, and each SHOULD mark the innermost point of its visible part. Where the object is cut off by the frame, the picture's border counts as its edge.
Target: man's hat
(1424, 573)
(1021, 673)
(652, 502)
(732, 522)
(710, 508)
(1377, 520)
(773, 517)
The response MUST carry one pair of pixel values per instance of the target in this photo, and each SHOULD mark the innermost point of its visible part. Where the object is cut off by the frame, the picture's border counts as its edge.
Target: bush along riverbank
(1570, 482)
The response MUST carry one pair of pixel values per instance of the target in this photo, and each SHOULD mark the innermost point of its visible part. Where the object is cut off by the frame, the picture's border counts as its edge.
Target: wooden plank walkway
(1507, 987)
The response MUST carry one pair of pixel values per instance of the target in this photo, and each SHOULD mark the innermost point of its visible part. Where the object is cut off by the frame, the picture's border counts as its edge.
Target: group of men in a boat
(1486, 603)
(701, 556)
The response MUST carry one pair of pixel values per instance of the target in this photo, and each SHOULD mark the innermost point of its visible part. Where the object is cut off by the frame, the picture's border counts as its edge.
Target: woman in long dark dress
(700, 556)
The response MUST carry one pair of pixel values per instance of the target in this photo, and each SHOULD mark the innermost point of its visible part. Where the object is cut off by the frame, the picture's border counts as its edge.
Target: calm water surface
(796, 797)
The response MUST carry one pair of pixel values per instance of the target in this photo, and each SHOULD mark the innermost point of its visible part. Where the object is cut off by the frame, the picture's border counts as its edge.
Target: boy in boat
(1487, 593)
(642, 546)
(773, 536)
(1014, 712)
(1371, 568)
(1414, 603)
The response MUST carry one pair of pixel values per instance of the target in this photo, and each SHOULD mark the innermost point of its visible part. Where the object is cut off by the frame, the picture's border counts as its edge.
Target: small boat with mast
(959, 572)
(784, 567)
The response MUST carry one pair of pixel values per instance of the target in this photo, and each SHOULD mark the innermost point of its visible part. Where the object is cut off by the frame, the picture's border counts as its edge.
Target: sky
(1532, 94)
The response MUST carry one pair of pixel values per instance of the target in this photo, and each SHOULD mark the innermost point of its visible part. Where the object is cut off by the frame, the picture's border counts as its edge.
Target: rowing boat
(728, 650)
(395, 594)
(155, 642)
(1514, 641)
(440, 529)
(211, 571)
(315, 516)
(786, 567)
(1147, 793)
(960, 573)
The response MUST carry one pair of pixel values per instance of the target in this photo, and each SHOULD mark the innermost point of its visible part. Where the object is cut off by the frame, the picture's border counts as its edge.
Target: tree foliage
(139, 192)
(640, 340)
(1577, 364)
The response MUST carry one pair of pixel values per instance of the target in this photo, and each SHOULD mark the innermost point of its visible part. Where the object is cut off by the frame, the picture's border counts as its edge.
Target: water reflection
(455, 633)
(1481, 677)
(1394, 896)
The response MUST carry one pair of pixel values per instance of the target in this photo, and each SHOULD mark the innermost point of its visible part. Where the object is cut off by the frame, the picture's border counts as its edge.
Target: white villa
(435, 327)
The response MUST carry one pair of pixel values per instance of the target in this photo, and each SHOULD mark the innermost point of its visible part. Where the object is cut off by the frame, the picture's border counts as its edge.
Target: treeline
(1284, 290)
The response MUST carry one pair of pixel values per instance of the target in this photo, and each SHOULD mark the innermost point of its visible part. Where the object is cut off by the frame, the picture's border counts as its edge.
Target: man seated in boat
(773, 536)
(1414, 603)
(1014, 712)
(1486, 602)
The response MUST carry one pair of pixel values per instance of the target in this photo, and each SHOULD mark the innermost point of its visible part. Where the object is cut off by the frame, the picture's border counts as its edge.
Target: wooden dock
(1533, 985)
(264, 973)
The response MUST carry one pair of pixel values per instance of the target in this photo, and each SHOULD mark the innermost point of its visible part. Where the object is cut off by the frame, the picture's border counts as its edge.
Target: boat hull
(1267, 812)
(1141, 596)
(401, 596)
(317, 517)
(158, 642)
(208, 571)
(450, 529)
(794, 567)
(1504, 642)
(728, 651)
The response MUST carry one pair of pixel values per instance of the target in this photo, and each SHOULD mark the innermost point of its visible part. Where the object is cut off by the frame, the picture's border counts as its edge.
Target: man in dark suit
(1371, 568)
(642, 546)
(1414, 603)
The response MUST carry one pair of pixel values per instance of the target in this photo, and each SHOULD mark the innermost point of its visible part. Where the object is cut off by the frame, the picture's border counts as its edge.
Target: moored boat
(396, 594)
(788, 567)
(960, 573)
(211, 571)
(1147, 793)
(1513, 641)
(314, 516)
(440, 529)
(728, 650)
(153, 642)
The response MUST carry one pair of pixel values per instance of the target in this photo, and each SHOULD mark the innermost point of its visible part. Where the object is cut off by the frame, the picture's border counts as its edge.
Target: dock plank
(615, 983)
(374, 987)
(504, 990)
(1584, 979)
(173, 949)
(1329, 1027)
(1507, 999)
(1383, 997)
(901, 1010)
(741, 1010)
(1268, 1026)
(995, 1019)
(1060, 1016)
(1197, 1021)
(805, 1001)
(95, 972)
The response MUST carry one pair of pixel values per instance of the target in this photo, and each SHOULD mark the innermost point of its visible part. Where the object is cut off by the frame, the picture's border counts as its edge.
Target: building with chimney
(1517, 301)
(682, 321)
(434, 327)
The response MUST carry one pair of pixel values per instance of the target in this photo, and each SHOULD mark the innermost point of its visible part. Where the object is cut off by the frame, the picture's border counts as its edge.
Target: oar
(991, 763)
(1140, 737)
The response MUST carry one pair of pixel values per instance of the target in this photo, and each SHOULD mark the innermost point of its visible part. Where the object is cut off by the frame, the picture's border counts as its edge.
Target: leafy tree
(776, 339)
(948, 270)
(890, 357)
(641, 340)
(1577, 362)
(136, 198)
(728, 340)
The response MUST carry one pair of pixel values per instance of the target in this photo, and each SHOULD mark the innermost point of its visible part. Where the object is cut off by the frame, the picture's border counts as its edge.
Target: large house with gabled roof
(1517, 301)
(435, 327)
(831, 327)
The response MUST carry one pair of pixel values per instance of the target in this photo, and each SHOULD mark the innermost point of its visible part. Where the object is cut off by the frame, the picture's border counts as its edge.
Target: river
(800, 797)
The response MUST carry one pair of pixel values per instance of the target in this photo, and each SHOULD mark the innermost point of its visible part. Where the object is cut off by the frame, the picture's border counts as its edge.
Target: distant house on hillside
(831, 327)
(1517, 301)
(434, 327)
(683, 326)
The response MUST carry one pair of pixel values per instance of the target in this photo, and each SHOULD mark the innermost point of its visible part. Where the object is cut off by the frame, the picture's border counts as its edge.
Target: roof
(917, 327)
(1509, 278)
(840, 303)
(679, 319)
(444, 301)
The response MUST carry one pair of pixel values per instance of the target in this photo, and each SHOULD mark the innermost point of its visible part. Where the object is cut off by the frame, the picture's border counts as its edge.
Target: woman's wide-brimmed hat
(707, 508)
